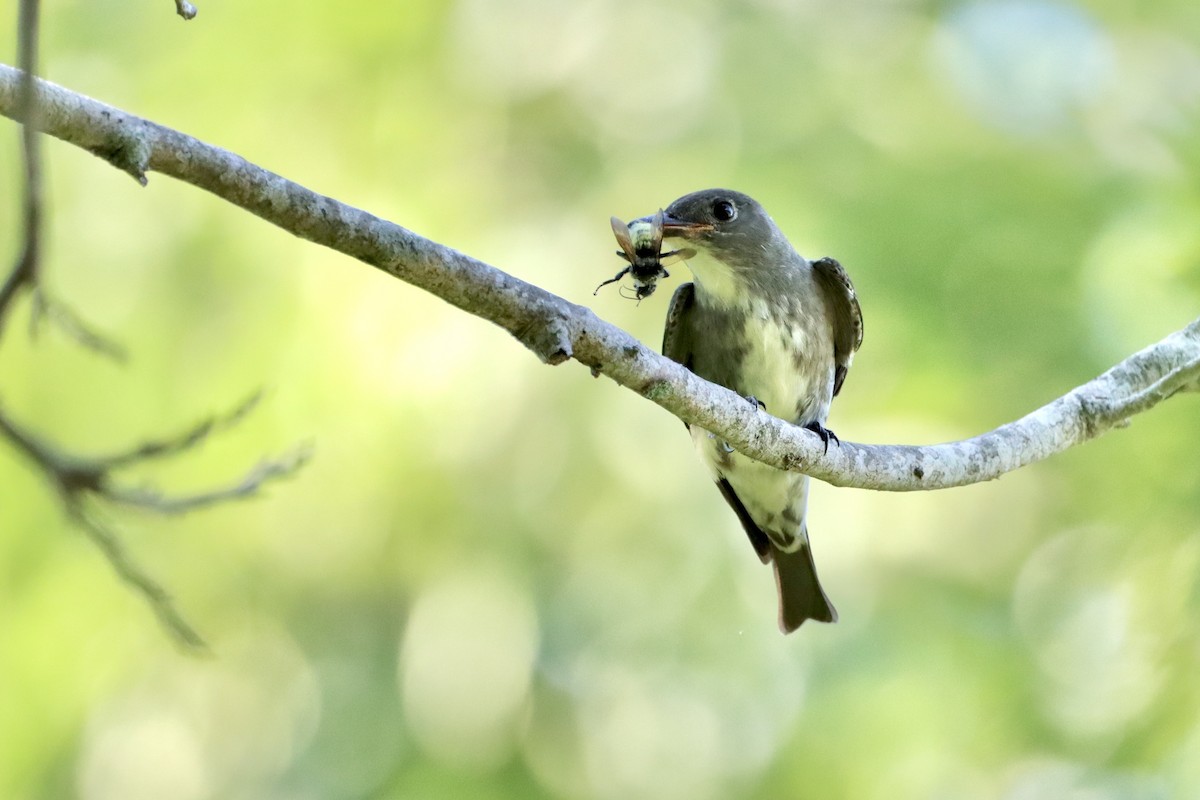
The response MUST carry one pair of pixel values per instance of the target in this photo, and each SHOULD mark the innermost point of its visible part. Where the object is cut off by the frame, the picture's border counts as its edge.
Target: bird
(780, 330)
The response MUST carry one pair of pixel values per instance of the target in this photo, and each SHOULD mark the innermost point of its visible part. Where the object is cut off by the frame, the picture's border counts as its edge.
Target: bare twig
(247, 486)
(557, 330)
(115, 553)
(24, 272)
(185, 9)
(81, 482)
(188, 439)
(61, 315)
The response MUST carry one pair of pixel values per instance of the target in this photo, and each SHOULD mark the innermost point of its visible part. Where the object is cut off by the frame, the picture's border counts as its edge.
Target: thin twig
(82, 482)
(138, 579)
(24, 272)
(247, 486)
(62, 316)
(187, 440)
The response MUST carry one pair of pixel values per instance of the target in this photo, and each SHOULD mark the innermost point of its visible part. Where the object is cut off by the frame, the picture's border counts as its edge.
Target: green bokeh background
(502, 580)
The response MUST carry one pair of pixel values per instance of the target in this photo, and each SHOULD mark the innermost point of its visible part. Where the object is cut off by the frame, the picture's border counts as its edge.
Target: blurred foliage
(499, 580)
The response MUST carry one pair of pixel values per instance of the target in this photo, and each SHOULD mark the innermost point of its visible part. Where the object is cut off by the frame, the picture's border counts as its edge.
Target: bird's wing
(847, 316)
(677, 335)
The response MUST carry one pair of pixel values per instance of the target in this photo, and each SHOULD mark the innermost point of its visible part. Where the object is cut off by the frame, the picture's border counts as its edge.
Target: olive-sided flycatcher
(762, 320)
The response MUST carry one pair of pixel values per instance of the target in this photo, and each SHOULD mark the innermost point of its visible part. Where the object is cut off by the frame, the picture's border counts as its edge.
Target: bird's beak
(679, 228)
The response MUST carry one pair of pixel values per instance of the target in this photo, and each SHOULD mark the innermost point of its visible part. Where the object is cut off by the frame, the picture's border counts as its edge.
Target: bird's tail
(800, 593)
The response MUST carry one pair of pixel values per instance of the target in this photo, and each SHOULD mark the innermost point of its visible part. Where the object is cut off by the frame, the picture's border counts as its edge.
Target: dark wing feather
(842, 302)
(677, 335)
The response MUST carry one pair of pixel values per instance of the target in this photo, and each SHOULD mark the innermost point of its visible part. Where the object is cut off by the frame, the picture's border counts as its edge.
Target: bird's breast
(772, 350)
(775, 369)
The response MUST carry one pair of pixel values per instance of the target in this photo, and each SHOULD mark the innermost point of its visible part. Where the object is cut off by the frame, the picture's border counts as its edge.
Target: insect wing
(621, 231)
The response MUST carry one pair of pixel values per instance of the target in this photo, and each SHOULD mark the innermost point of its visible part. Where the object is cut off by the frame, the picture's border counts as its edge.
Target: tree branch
(557, 330)
(81, 480)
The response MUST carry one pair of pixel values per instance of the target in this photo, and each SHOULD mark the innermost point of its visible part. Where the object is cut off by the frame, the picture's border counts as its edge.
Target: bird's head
(734, 237)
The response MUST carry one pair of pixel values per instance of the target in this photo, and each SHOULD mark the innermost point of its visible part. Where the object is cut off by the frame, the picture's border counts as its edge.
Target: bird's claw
(824, 433)
(754, 401)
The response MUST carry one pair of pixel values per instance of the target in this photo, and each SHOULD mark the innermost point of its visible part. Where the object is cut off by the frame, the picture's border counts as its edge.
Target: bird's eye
(724, 211)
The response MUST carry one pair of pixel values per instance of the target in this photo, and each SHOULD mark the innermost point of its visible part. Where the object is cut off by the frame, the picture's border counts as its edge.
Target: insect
(641, 246)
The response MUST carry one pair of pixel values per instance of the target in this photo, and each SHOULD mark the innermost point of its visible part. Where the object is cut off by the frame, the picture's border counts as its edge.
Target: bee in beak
(641, 246)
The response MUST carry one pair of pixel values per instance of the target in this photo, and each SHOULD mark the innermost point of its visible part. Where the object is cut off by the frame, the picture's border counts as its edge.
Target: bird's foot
(824, 433)
(754, 401)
